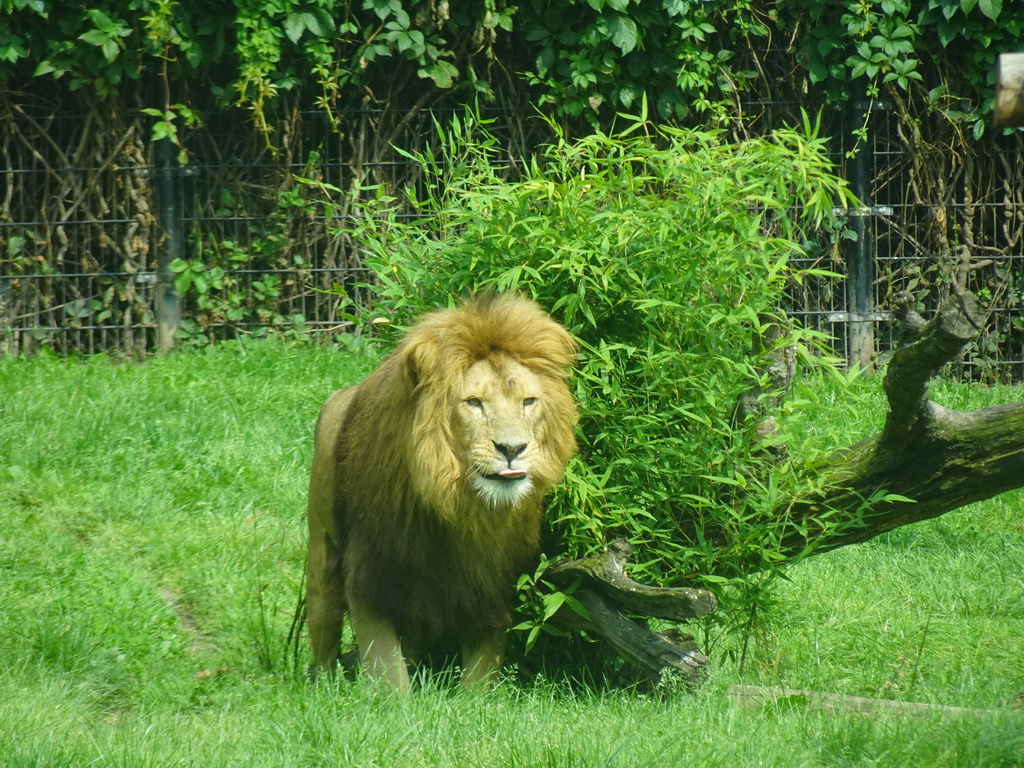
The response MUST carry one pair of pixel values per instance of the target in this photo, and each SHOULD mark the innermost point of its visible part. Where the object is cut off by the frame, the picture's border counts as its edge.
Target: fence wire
(80, 235)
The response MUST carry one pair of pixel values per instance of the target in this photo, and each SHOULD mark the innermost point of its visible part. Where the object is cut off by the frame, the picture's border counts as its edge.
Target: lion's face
(496, 426)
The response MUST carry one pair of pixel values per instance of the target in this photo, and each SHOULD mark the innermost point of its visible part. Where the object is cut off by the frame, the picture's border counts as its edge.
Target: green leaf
(383, 8)
(532, 637)
(545, 59)
(44, 67)
(552, 603)
(14, 49)
(628, 94)
(183, 282)
(712, 579)
(94, 37)
(295, 25)
(991, 8)
(319, 22)
(578, 608)
(623, 33)
(109, 49)
(895, 497)
(443, 73)
(947, 33)
(163, 130)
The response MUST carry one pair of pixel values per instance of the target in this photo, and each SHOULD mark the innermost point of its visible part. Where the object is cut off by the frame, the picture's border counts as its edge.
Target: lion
(427, 488)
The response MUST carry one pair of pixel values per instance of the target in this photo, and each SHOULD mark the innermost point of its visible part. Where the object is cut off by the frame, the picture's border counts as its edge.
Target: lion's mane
(420, 545)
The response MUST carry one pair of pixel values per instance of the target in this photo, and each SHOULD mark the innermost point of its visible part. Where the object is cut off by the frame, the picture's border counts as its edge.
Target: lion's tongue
(512, 472)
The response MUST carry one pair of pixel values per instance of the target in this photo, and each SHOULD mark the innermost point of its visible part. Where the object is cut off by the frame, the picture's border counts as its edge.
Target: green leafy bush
(664, 252)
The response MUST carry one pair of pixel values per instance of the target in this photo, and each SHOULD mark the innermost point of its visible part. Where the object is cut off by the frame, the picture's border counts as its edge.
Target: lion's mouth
(507, 475)
(504, 488)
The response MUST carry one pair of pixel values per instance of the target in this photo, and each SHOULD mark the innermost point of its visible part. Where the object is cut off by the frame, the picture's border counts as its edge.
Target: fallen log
(654, 653)
(609, 596)
(927, 460)
(607, 574)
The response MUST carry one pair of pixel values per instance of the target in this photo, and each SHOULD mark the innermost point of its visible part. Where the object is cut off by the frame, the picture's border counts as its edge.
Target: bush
(665, 252)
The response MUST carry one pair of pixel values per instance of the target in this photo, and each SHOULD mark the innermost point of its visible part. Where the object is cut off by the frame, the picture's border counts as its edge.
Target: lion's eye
(529, 401)
(474, 402)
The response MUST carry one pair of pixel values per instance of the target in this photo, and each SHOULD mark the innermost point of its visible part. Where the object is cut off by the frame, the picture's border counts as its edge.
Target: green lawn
(151, 546)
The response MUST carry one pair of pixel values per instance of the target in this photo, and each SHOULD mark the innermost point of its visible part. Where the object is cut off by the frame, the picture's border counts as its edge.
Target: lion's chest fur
(428, 580)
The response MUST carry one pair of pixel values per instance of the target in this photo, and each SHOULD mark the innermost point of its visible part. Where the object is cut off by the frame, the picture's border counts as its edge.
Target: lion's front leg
(481, 660)
(380, 650)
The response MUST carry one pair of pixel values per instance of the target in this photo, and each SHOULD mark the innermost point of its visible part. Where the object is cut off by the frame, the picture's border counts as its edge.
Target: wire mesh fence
(81, 232)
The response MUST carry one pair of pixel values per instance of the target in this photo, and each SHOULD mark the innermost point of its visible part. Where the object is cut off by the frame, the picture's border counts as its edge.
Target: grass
(151, 546)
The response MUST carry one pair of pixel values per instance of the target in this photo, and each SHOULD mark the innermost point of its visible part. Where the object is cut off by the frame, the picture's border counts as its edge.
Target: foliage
(664, 253)
(246, 53)
(941, 51)
(211, 282)
(588, 57)
(594, 57)
(159, 65)
(540, 600)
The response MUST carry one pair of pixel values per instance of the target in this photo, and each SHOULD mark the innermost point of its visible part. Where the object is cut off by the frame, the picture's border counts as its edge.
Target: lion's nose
(510, 452)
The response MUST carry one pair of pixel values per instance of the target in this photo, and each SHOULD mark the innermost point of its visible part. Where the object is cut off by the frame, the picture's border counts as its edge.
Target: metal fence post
(860, 331)
(168, 198)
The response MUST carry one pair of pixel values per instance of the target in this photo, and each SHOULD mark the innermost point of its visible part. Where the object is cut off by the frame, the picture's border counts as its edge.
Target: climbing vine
(940, 52)
(691, 59)
(251, 52)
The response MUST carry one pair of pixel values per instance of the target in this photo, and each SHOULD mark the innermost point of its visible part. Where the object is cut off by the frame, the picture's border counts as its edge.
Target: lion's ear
(420, 358)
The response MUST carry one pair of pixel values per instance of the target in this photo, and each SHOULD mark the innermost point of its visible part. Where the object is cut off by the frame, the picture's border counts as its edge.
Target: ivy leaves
(991, 8)
(317, 21)
(623, 32)
(595, 57)
(591, 58)
(107, 34)
(873, 40)
(897, 43)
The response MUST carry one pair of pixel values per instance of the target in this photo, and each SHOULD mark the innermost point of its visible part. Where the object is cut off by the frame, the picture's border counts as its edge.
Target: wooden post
(1009, 109)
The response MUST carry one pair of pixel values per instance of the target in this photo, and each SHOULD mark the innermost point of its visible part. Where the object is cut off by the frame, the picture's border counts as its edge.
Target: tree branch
(927, 461)
(958, 320)
(609, 593)
(652, 652)
(606, 572)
